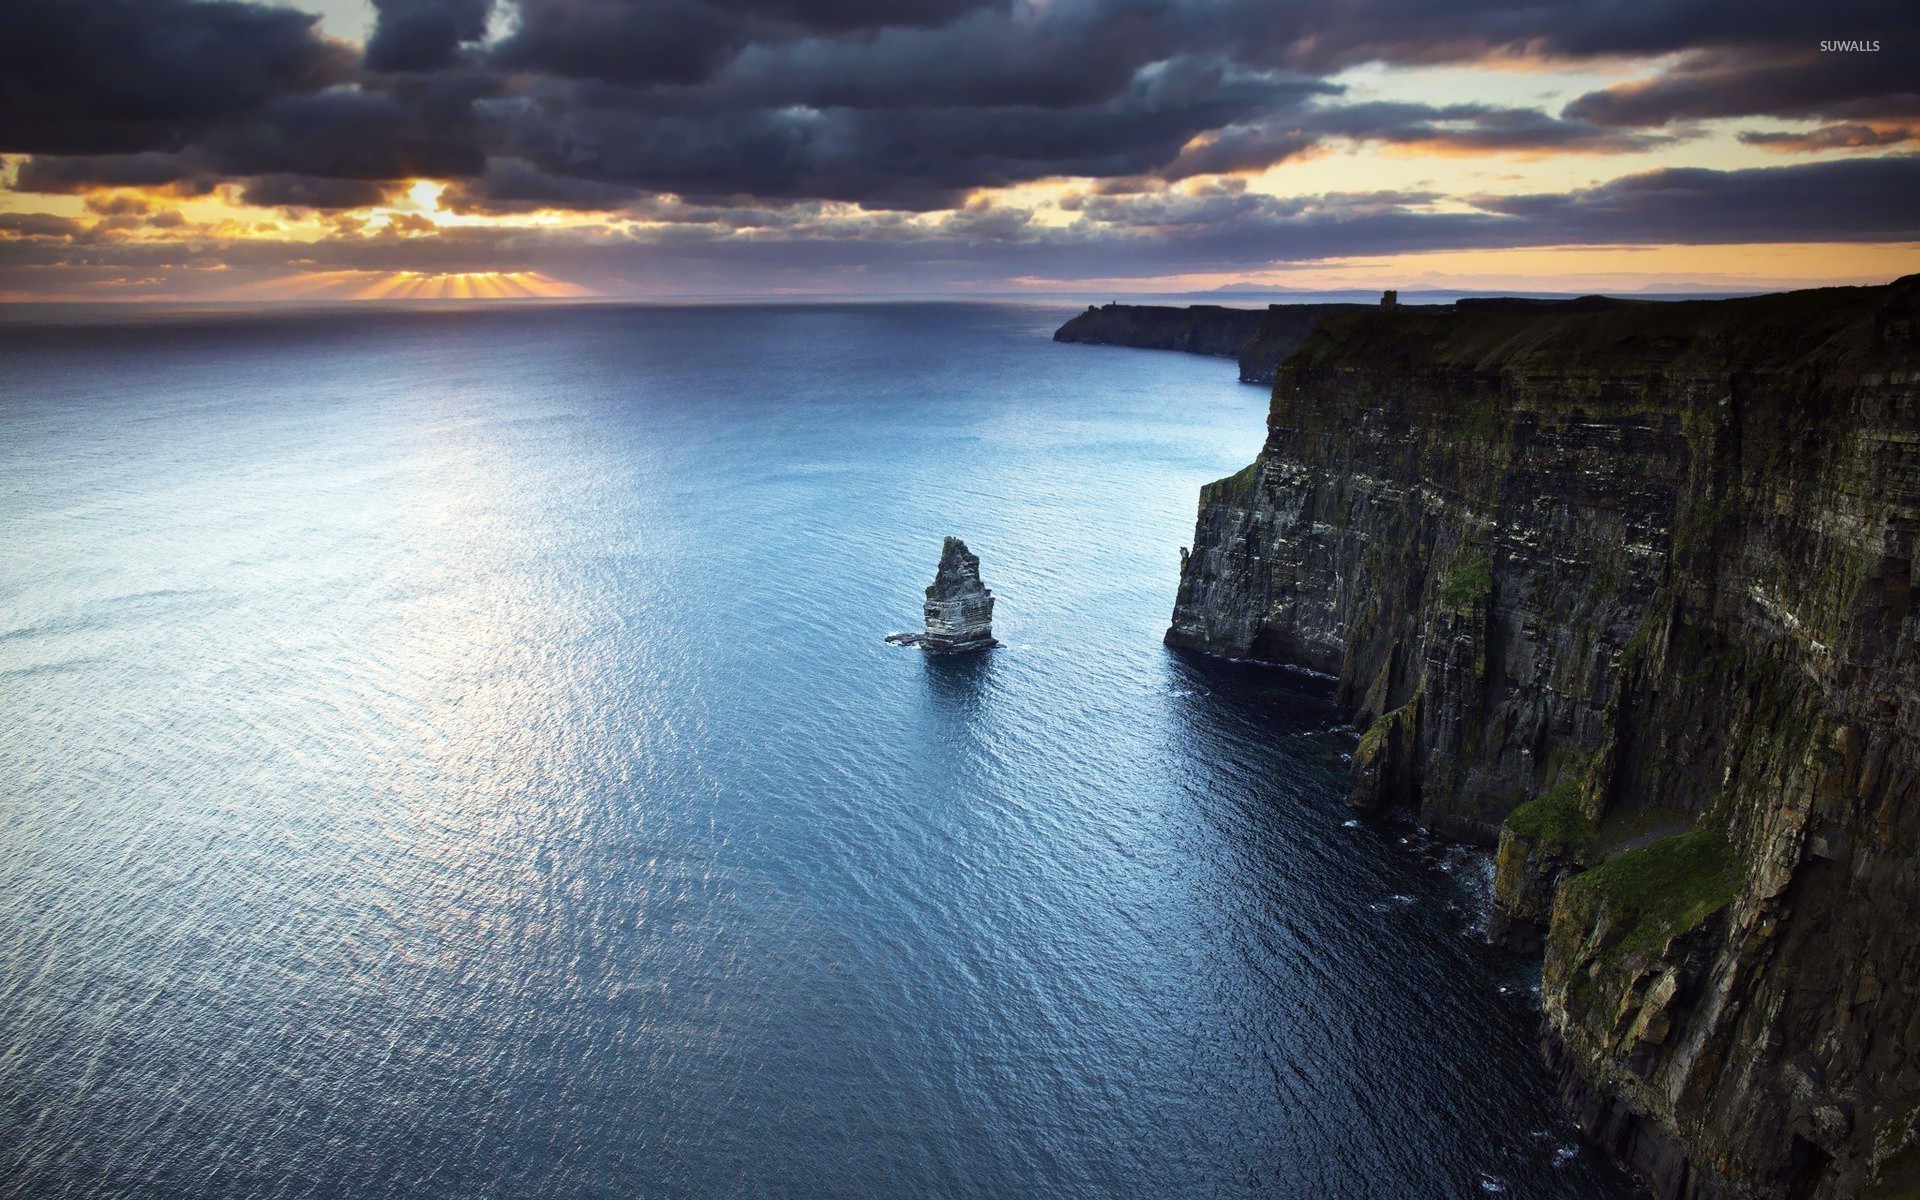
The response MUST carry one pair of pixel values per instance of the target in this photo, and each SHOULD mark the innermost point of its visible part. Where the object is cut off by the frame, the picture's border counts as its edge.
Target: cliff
(1200, 329)
(1259, 339)
(1282, 329)
(1627, 591)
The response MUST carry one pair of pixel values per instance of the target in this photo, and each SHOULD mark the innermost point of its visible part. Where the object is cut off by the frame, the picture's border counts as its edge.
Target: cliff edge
(1628, 592)
(1258, 338)
(1198, 329)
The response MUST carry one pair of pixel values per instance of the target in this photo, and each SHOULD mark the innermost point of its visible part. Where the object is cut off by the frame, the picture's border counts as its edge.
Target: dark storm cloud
(1832, 137)
(513, 185)
(645, 42)
(306, 191)
(1328, 34)
(1228, 204)
(516, 186)
(1221, 226)
(354, 135)
(1077, 52)
(1244, 147)
(916, 114)
(912, 158)
(424, 35)
(38, 225)
(1866, 199)
(1853, 200)
(1183, 210)
(1857, 200)
(1464, 128)
(1221, 229)
(1477, 127)
(409, 131)
(670, 42)
(106, 76)
(1801, 83)
(714, 116)
(119, 205)
(80, 173)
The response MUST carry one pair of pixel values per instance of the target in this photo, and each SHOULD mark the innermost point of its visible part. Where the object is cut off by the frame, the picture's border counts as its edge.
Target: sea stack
(959, 606)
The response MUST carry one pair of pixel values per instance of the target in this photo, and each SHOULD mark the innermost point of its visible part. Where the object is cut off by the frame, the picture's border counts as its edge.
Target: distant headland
(1261, 338)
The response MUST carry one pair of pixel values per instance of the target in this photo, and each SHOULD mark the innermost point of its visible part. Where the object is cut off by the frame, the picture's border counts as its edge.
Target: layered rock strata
(959, 607)
(1627, 591)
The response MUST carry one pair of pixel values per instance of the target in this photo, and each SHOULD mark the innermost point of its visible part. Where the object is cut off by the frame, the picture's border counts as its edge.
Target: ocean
(452, 752)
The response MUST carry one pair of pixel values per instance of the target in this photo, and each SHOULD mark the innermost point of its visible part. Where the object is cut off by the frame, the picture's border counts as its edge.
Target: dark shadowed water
(454, 754)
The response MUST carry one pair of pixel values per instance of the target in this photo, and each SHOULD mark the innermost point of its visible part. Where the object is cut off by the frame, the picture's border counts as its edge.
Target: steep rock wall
(1629, 594)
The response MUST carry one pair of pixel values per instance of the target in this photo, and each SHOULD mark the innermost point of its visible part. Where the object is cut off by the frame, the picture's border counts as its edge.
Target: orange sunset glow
(419, 285)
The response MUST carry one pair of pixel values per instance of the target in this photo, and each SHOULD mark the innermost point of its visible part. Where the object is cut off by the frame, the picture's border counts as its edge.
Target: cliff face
(1258, 338)
(1628, 593)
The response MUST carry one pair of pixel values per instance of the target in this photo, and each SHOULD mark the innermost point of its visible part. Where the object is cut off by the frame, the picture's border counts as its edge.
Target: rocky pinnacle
(959, 607)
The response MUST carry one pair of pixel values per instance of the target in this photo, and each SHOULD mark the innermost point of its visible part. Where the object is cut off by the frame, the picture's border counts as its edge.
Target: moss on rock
(1554, 816)
(1469, 582)
(1659, 892)
(1236, 489)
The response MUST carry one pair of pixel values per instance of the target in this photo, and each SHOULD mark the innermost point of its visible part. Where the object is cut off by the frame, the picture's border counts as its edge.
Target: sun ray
(416, 285)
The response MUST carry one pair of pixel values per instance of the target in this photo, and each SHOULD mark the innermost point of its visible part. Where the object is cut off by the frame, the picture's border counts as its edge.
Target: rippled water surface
(454, 754)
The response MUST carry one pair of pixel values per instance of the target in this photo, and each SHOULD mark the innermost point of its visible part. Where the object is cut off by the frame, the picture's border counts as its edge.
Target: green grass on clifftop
(1236, 489)
(1663, 890)
(1469, 582)
(1775, 331)
(1554, 816)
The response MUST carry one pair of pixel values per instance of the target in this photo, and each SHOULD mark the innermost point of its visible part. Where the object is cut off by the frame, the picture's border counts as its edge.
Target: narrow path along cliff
(1627, 591)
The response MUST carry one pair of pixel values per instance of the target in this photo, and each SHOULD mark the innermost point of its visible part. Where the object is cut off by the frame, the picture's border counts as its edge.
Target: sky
(235, 150)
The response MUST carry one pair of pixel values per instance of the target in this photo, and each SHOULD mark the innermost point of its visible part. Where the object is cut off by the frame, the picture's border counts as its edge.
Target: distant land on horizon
(29, 311)
(1687, 288)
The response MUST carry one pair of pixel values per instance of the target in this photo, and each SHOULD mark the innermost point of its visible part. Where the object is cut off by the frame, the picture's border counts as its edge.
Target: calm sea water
(454, 754)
